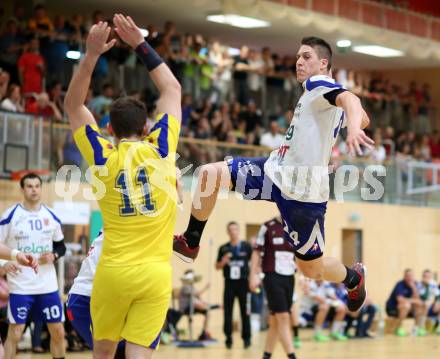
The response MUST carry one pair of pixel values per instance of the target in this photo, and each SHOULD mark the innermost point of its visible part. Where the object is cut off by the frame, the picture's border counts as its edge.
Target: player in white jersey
(295, 176)
(31, 227)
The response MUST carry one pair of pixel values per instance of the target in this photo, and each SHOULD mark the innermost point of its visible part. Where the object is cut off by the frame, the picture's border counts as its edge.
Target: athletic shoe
(338, 337)
(321, 338)
(247, 343)
(181, 249)
(297, 343)
(205, 336)
(357, 295)
(421, 332)
(400, 332)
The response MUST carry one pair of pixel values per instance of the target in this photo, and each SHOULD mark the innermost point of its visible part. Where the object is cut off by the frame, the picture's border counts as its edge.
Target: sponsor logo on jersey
(34, 248)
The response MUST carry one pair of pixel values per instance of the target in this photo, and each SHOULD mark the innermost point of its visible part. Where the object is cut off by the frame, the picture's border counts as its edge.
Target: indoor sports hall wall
(393, 237)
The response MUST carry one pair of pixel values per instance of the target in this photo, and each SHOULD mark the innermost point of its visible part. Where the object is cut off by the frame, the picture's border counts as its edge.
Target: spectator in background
(255, 77)
(424, 148)
(284, 120)
(4, 83)
(435, 144)
(100, 105)
(42, 106)
(423, 122)
(189, 293)
(252, 116)
(41, 26)
(56, 96)
(275, 86)
(428, 291)
(241, 69)
(10, 47)
(13, 101)
(404, 302)
(31, 67)
(188, 113)
(363, 325)
(378, 153)
(273, 138)
(58, 47)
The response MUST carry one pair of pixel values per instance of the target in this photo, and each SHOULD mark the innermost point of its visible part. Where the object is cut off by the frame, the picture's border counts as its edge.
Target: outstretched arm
(357, 120)
(168, 86)
(97, 44)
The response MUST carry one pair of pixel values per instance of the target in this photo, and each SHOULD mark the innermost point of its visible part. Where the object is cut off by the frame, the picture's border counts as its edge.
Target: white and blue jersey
(295, 176)
(31, 232)
(32, 293)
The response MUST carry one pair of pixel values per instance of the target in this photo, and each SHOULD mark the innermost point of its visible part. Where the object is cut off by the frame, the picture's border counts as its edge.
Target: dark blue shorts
(304, 222)
(78, 312)
(45, 308)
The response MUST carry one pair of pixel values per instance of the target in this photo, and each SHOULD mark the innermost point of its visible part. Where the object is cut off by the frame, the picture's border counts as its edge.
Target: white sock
(336, 327)
(422, 322)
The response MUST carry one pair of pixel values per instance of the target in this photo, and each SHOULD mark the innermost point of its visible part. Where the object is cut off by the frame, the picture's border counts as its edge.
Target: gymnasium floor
(383, 348)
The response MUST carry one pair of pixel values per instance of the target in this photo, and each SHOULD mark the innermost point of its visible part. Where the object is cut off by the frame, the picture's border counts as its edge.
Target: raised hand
(97, 39)
(27, 260)
(355, 138)
(127, 30)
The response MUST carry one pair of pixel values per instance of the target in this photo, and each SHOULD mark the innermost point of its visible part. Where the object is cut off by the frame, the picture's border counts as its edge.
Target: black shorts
(279, 292)
(394, 312)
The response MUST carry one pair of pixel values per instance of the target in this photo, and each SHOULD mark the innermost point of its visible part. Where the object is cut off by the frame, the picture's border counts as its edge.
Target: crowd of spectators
(324, 305)
(243, 96)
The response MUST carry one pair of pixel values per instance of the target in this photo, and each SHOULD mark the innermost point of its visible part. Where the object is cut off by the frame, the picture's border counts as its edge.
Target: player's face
(308, 63)
(426, 278)
(234, 231)
(32, 190)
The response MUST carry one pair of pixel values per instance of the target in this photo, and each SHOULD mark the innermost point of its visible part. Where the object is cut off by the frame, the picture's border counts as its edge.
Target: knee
(14, 333)
(324, 307)
(57, 333)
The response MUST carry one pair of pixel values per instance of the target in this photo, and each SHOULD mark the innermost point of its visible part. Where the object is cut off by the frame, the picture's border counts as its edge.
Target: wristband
(14, 254)
(148, 56)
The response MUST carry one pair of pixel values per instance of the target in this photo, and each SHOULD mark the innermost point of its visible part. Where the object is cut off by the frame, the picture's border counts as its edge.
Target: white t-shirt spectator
(378, 154)
(270, 140)
(254, 78)
(8, 105)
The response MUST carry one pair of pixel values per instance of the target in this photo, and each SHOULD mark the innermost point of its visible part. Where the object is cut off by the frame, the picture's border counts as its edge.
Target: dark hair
(128, 117)
(30, 175)
(322, 48)
(231, 223)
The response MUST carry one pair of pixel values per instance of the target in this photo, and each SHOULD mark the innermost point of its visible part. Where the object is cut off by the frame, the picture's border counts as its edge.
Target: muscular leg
(212, 178)
(57, 345)
(15, 332)
(326, 268)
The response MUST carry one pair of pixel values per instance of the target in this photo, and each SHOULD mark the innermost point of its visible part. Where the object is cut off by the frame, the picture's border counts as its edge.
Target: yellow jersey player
(132, 286)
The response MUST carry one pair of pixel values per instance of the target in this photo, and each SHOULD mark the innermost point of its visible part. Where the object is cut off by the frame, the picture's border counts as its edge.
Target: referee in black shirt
(233, 258)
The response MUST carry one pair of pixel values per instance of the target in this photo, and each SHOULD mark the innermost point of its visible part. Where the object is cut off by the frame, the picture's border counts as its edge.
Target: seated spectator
(31, 68)
(252, 116)
(42, 106)
(404, 302)
(320, 303)
(434, 312)
(188, 293)
(428, 291)
(13, 101)
(364, 319)
(435, 144)
(273, 138)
